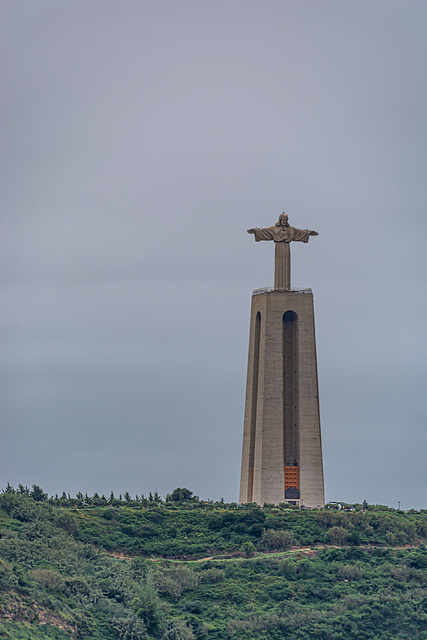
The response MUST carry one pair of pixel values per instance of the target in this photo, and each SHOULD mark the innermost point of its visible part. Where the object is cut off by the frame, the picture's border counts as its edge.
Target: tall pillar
(282, 451)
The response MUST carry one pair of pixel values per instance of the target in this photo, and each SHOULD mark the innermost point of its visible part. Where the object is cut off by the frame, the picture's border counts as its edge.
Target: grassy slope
(54, 569)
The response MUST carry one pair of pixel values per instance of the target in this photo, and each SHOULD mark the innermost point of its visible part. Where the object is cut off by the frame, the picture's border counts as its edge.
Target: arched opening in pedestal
(290, 404)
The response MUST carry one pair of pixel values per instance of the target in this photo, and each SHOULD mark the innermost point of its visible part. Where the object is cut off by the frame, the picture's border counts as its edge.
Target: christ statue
(282, 234)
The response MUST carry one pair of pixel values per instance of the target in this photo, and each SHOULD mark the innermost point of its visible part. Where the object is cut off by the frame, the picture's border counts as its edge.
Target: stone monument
(282, 449)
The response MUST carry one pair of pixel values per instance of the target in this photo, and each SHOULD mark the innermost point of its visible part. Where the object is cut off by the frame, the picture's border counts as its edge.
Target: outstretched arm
(269, 233)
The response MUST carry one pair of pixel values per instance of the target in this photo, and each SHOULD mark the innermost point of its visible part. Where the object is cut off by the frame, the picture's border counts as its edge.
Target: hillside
(71, 568)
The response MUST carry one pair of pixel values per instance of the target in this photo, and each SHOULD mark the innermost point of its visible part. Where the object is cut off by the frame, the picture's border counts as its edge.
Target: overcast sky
(140, 140)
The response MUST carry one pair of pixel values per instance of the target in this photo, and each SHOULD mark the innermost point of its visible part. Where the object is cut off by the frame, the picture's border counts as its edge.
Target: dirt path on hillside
(303, 551)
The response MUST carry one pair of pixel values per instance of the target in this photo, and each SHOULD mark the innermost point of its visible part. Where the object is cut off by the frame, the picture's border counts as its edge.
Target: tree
(147, 606)
(80, 499)
(96, 500)
(180, 495)
(37, 494)
(23, 490)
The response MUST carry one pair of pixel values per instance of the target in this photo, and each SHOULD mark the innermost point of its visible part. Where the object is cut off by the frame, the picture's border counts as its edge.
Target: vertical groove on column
(290, 388)
(254, 403)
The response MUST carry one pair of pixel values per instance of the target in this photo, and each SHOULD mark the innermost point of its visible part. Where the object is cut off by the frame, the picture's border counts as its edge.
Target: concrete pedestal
(282, 450)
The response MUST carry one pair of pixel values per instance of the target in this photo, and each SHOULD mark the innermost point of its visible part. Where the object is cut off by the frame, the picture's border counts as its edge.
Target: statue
(282, 234)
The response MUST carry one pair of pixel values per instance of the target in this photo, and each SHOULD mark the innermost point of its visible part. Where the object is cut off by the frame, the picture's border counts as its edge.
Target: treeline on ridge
(183, 525)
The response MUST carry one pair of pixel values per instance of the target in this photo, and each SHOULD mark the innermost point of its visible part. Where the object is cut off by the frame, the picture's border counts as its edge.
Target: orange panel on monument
(292, 477)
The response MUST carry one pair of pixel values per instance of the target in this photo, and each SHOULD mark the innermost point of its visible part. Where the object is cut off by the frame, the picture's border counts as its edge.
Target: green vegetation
(181, 569)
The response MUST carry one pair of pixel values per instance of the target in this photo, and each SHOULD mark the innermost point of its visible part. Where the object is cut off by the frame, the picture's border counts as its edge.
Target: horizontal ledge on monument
(257, 292)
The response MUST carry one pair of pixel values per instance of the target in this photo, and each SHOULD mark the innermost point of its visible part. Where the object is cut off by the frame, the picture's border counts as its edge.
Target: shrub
(178, 630)
(273, 539)
(337, 535)
(47, 577)
(66, 521)
(211, 575)
(400, 573)
(131, 628)
(350, 572)
(175, 580)
(248, 548)
(5, 574)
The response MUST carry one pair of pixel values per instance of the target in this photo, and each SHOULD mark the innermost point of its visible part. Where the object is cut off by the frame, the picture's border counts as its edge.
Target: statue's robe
(282, 234)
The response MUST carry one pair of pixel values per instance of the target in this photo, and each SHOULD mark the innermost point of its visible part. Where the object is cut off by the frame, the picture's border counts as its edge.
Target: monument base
(282, 450)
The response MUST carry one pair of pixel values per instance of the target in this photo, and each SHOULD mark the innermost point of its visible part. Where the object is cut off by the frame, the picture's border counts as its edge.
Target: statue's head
(283, 220)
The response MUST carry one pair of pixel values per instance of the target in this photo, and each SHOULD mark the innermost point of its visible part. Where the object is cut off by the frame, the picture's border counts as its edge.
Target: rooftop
(257, 292)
